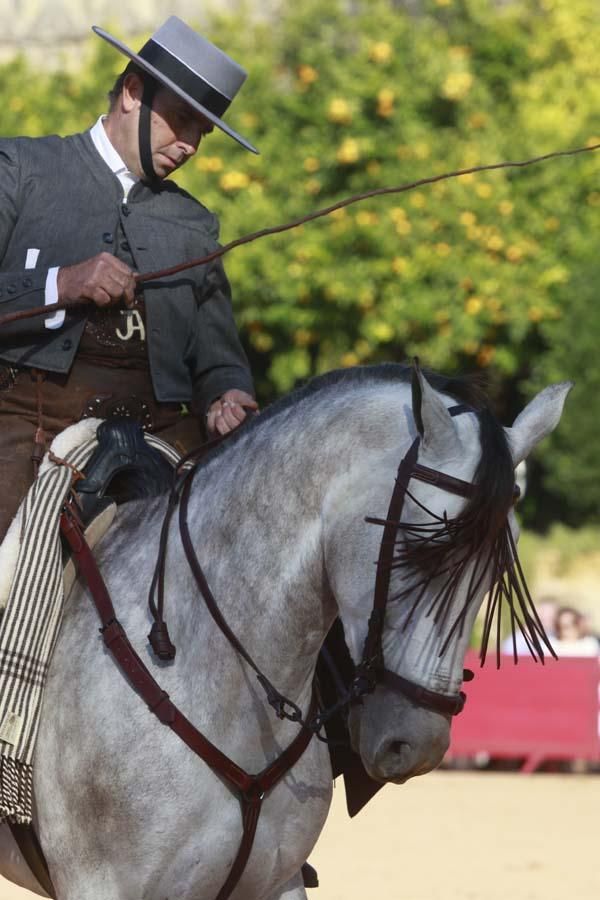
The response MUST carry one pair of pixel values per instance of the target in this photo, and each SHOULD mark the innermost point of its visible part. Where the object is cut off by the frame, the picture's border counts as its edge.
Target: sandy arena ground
(460, 836)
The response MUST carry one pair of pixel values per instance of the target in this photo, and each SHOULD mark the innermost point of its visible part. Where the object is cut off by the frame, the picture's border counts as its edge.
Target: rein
(250, 789)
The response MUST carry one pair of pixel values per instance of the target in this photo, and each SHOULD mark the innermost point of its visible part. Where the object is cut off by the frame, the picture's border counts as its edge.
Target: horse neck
(256, 521)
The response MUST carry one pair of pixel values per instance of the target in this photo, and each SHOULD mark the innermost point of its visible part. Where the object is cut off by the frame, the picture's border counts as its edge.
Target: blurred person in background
(572, 634)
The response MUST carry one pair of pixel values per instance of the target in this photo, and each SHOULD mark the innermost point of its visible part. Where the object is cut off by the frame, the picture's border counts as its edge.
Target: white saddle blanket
(32, 592)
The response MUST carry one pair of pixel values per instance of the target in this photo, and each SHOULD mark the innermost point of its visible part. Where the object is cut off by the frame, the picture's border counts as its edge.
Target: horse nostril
(398, 747)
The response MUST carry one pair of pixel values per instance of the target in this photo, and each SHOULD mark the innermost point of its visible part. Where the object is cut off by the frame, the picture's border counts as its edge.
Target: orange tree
(473, 274)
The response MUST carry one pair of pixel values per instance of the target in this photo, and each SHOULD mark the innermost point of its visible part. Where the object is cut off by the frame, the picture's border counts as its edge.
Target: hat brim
(158, 75)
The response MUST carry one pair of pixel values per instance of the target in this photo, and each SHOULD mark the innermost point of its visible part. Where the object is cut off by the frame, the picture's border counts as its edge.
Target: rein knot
(161, 642)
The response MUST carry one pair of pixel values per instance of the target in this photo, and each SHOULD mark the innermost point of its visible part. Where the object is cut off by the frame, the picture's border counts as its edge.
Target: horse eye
(516, 494)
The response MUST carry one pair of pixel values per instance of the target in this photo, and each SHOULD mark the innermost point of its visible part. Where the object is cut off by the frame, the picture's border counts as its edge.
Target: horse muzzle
(396, 739)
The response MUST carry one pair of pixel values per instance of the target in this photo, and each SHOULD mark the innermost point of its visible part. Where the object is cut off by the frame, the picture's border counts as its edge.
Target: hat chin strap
(145, 144)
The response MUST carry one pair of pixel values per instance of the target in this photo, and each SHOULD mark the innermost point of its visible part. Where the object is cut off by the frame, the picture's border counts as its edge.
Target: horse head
(449, 540)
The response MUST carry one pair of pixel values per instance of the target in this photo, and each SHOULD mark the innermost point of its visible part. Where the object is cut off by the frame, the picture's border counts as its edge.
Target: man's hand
(104, 279)
(227, 412)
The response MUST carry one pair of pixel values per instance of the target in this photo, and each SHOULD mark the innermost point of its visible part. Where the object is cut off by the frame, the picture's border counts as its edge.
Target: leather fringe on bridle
(295, 223)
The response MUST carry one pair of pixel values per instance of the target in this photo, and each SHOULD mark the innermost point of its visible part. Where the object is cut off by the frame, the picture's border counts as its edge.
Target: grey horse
(124, 810)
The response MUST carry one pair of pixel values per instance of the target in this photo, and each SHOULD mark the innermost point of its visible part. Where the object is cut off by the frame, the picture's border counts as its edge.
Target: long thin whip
(295, 223)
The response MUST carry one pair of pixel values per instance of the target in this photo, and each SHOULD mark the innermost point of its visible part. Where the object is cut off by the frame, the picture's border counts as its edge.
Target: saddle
(123, 467)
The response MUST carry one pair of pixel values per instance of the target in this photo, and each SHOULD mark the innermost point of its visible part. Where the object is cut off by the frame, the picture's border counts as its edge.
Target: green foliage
(494, 271)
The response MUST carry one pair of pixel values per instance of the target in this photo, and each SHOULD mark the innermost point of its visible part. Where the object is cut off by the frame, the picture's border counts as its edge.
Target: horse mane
(463, 389)
(444, 547)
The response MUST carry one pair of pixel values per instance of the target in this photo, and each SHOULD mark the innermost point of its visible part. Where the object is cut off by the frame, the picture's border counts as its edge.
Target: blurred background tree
(494, 273)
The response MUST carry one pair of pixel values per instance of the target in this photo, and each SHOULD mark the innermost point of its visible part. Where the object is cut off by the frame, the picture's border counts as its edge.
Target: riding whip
(295, 223)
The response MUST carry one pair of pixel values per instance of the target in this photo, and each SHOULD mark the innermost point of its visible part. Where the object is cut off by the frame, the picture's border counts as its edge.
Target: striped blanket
(31, 580)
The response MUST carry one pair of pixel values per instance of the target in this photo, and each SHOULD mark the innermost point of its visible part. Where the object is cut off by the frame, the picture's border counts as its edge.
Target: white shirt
(128, 179)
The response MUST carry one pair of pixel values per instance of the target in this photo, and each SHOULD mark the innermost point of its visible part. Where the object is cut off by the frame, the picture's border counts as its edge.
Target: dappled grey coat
(57, 195)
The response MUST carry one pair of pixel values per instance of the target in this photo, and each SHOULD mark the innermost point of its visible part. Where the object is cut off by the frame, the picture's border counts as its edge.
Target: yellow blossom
(467, 218)
(348, 152)
(385, 103)
(403, 226)
(382, 331)
(209, 163)
(312, 186)
(399, 265)
(422, 150)
(339, 214)
(16, 104)
(470, 348)
(366, 298)
(349, 359)
(442, 316)
(535, 314)
(443, 249)
(467, 284)
(311, 164)
(477, 120)
(495, 242)
(467, 177)
(397, 213)
(307, 74)
(339, 111)
(418, 200)
(514, 253)
(593, 199)
(249, 120)
(555, 275)
(404, 151)
(381, 52)
(234, 181)
(473, 306)
(459, 52)
(457, 85)
(363, 348)
(483, 190)
(552, 224)
(366, 218)
(505, 207)
(485, 355)
(262, 342)
(373, 167)
(302, 337)
(443, 2)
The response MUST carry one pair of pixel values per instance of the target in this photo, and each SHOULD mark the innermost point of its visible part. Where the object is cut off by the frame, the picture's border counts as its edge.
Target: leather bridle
(371, 671)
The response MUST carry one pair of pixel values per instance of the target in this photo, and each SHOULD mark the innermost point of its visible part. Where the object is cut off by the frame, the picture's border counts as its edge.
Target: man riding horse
(78, 217)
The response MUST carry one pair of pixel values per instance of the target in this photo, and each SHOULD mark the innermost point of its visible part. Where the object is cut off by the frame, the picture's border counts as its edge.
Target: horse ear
(537, 420)
(434, 423)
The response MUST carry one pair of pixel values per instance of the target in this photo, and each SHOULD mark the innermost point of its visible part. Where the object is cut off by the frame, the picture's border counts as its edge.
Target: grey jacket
(57, 195)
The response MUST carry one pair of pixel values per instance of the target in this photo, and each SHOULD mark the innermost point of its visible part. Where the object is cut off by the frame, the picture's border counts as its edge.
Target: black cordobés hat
(189, 65)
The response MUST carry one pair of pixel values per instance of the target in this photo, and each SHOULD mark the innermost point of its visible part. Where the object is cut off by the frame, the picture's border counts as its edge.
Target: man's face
(176, 132)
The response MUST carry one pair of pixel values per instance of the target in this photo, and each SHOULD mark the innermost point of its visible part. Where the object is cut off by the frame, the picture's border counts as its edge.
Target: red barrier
(531, 712)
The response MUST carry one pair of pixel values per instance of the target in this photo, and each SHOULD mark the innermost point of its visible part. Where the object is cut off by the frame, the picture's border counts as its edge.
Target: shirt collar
(110, 156)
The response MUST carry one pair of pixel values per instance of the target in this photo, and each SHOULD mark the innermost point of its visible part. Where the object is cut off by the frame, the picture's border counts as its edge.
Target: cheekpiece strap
(145, 137)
